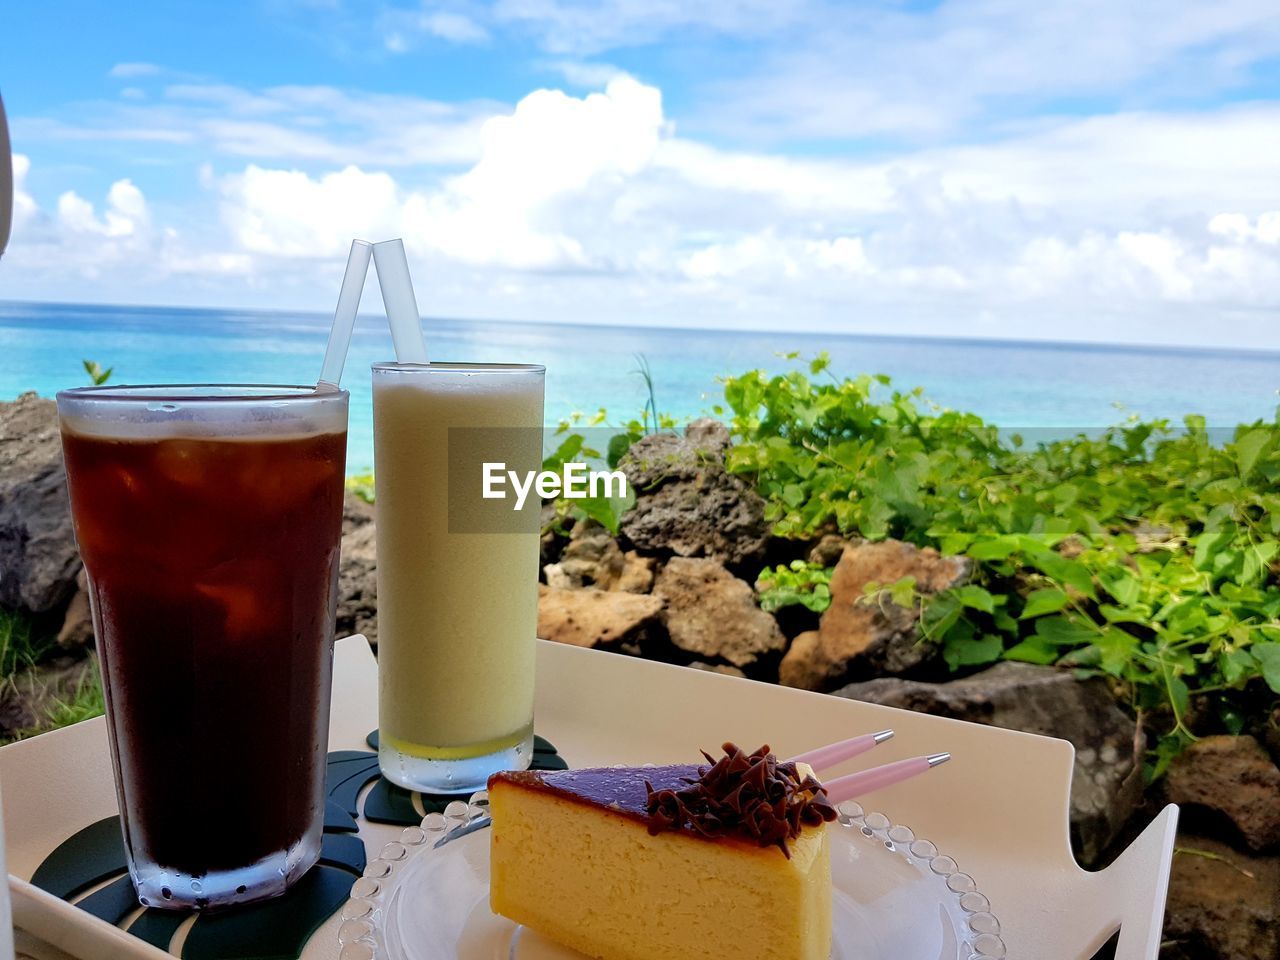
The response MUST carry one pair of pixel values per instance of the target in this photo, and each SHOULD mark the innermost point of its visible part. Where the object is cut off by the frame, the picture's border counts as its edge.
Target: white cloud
(600, 187)
(24, 207)
(126, 70)
(287, 213)
(402, 28)
(1238, 227)
(593, 207)
(293, 123)
(829, 69)
(577, 27)
(453, 27)
(76, 247)
(126, 213)
(512, 209)
(927, 71)
(583, 73)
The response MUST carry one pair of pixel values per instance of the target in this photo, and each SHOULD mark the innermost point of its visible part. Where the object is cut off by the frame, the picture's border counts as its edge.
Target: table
(1000, 807)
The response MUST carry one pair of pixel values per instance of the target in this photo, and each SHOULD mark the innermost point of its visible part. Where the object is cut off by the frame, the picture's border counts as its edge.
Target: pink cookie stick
(822, 758)
(877, 778)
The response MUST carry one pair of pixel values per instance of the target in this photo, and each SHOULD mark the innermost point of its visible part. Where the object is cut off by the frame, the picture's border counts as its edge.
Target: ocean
(1018, 385)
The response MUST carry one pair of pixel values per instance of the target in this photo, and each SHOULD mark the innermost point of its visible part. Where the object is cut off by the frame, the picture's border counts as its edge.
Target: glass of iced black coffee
(209, 521)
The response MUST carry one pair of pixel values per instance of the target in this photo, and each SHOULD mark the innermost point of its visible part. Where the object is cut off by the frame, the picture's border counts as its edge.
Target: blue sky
(1092, 170)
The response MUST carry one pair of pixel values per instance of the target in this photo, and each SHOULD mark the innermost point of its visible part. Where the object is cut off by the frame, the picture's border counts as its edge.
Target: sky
(1104, 170)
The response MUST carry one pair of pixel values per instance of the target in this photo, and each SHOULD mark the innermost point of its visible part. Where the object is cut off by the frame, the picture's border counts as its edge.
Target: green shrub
(361, 485)
(797, 583)
(1145, 554)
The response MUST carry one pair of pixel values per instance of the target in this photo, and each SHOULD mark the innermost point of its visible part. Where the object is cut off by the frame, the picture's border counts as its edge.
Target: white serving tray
(1000, 807)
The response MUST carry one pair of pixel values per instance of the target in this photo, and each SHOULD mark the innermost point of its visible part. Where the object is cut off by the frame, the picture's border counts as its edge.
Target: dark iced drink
(209, 524)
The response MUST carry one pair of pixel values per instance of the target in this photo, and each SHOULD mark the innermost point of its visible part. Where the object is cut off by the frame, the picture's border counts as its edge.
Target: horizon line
(1041, 342)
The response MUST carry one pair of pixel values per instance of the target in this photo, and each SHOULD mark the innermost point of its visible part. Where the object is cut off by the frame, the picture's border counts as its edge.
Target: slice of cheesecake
(728, 860)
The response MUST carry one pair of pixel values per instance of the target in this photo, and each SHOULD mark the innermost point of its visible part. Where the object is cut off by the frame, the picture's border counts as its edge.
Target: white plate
(426, 897)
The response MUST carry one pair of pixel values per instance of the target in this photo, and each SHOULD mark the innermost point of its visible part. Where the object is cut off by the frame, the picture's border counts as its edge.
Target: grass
(20, 647)
(85, 702)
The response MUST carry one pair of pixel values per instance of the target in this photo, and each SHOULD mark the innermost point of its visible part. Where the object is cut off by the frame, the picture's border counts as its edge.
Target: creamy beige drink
(457, 573)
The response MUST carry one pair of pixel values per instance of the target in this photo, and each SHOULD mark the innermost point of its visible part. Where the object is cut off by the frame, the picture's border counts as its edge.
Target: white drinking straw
(344, 317)
(397, 295)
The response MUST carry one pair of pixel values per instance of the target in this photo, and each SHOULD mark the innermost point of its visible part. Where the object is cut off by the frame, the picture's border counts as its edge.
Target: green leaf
(939, 616)
(619, 444)
(1179, 696)
(1247, 449)
(1208, 545)
(568, 451)
(969, 652)
(1166, 750)
(1268, 656)
(1237, 665)
(1233, 720)
(997, 548)
(1116, 649)
(1034, 649)
(1065, 570)
(974, 597)
(1004, 622)
(1047, 600)
(1064, 632)
(1125, 587)
(903, 592)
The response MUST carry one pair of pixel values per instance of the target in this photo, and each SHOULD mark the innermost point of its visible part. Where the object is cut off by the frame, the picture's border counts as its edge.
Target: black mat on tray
(276, 929)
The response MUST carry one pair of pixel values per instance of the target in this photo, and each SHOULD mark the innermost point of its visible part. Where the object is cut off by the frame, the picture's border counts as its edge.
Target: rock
(1106, 786)
(686, 503)
(38, 557)
(30, 697)
(597, 618)
(799, 666)
(1222, 903)
(713, 615)
(828, 551)
(553, 538)
(637, 573)
(861, 636)
(1151, 537)
(77, 622)
(592, 559)
(1271, 734)
(708, 434)
(356, 512)
(723, 668)
(358, 573)
(1234, 777)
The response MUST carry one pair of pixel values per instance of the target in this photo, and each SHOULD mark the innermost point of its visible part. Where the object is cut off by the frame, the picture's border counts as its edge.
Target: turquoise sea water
(1018, 385)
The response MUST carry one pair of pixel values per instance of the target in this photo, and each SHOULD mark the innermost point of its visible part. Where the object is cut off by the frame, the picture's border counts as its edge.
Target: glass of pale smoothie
(457, 573)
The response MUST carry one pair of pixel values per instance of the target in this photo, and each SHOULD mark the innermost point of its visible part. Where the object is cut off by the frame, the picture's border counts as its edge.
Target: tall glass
(457, 575)
(209, 520)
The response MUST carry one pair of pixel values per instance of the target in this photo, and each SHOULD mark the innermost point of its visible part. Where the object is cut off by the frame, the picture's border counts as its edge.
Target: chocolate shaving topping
(750, 795)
